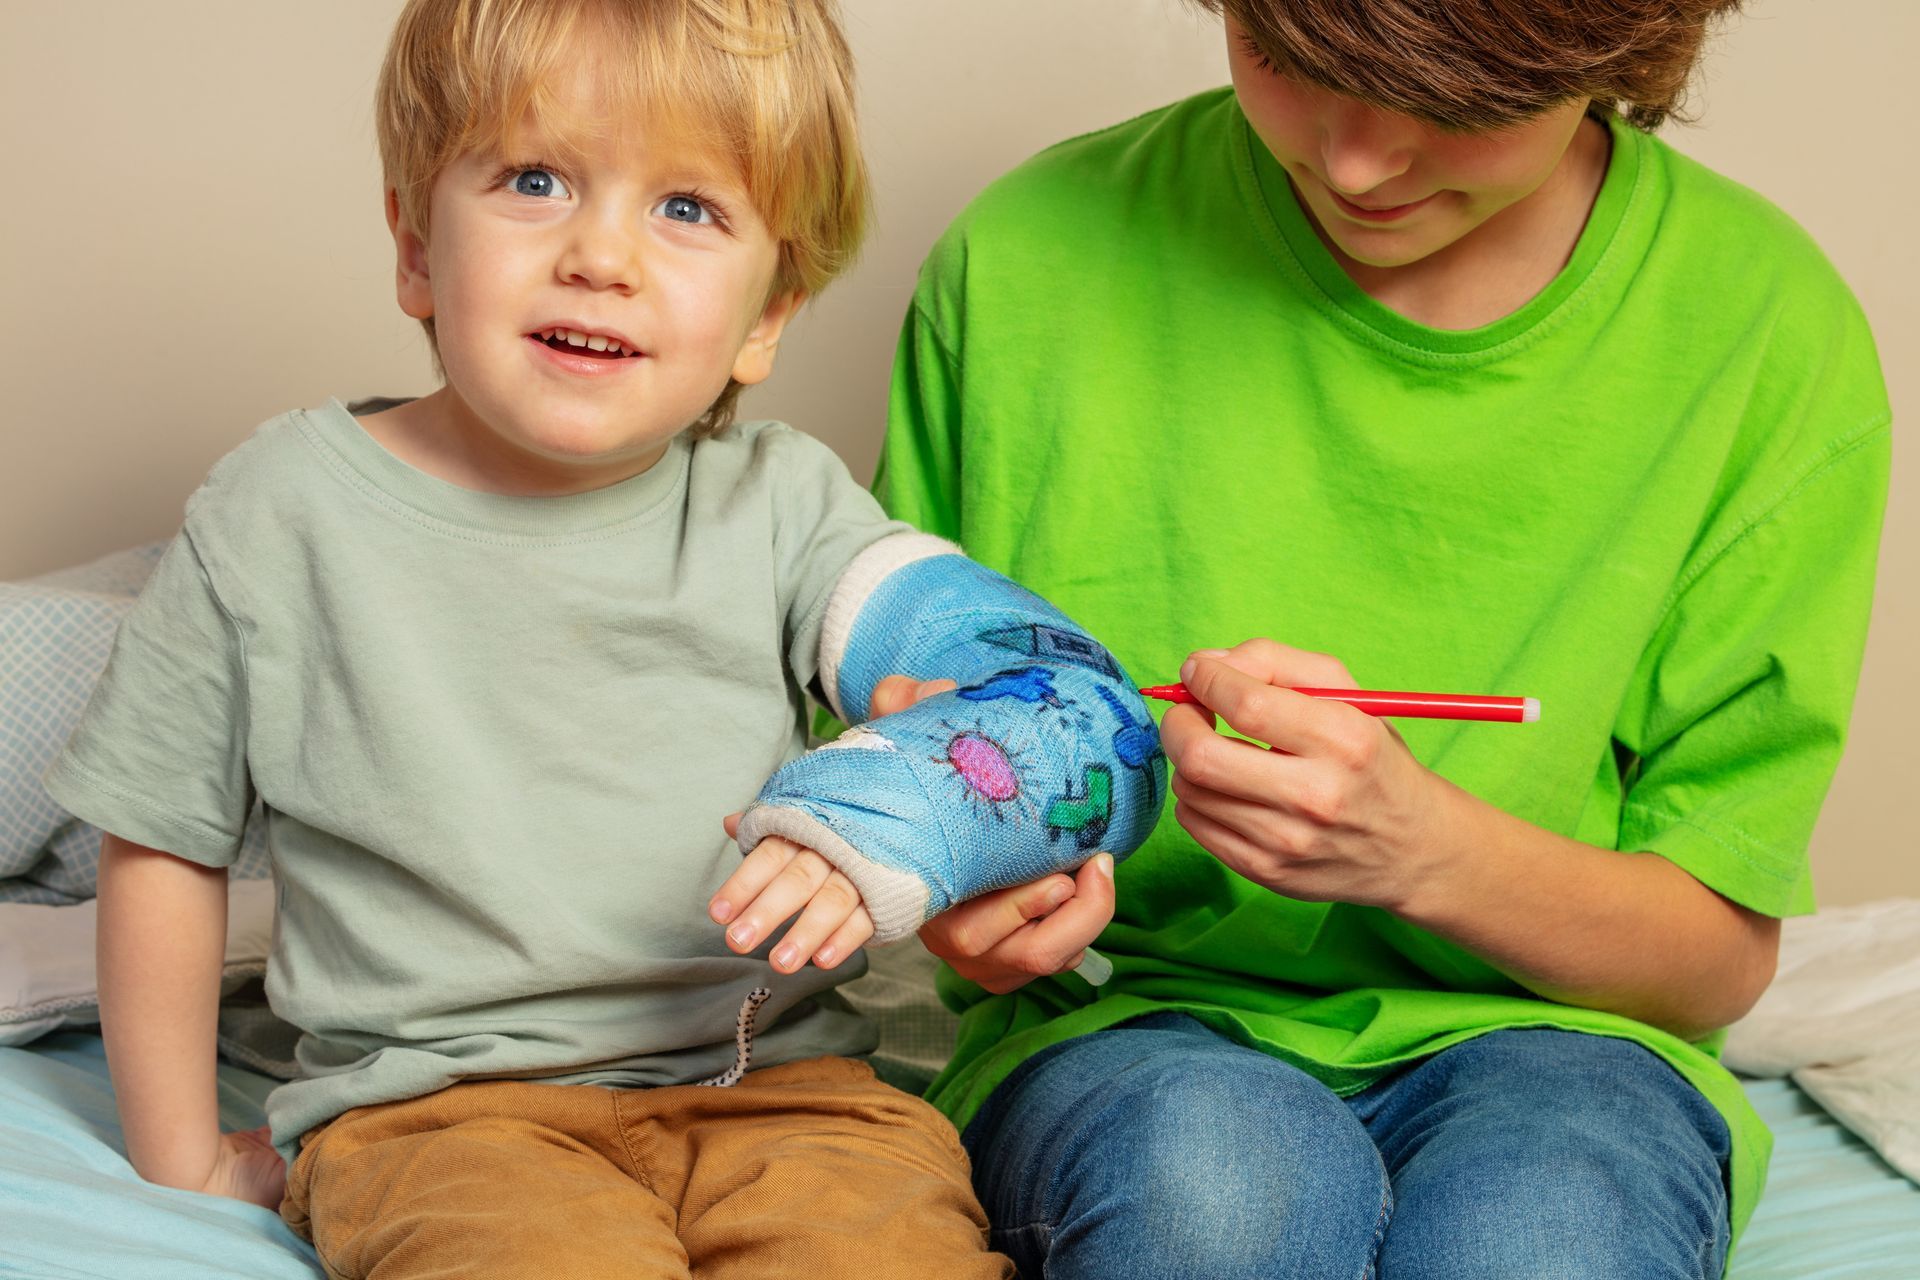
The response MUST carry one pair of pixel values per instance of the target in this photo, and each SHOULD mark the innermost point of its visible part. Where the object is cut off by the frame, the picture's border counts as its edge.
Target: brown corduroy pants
(811, 1169)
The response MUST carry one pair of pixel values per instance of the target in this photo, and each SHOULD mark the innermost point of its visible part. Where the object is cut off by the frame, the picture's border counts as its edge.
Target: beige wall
(192, 243)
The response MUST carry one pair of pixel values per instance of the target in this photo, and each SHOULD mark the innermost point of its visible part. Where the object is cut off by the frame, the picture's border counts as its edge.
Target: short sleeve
(919, 475)
(1741, 703)
(822, 520)
(159, 755)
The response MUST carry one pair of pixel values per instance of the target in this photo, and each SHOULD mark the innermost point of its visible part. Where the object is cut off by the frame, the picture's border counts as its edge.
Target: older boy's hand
(777, 879)
(1005, 939)
(1339, 811)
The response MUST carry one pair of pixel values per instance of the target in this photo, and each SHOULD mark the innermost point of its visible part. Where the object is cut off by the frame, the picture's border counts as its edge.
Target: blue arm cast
(1044, 754)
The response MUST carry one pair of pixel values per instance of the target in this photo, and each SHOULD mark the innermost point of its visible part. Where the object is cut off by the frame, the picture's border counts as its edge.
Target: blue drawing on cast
(1053, 644)
(1029, 684)
(1136, 743)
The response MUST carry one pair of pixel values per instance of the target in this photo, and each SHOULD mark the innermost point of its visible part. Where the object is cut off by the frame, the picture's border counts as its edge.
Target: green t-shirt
(1134, 380)
(494, 738)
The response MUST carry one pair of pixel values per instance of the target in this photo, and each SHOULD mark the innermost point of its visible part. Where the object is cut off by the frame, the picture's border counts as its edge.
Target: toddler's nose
(603, 256)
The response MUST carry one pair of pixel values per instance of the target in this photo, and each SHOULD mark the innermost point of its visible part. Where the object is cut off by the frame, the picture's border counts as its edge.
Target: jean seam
(1379, 1232)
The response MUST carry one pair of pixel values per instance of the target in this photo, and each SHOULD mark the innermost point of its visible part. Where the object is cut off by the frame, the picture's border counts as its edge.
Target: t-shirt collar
(607, 509)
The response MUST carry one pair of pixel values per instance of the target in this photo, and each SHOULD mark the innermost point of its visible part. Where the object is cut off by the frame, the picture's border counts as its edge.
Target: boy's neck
(1500, 265)
(438, 434)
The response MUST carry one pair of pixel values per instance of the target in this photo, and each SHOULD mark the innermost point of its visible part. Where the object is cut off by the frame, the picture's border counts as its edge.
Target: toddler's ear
(410, 275)
(755, 360)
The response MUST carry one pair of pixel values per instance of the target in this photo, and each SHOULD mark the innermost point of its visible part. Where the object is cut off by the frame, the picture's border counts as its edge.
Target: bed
(1843, 1020)
(72, 1209)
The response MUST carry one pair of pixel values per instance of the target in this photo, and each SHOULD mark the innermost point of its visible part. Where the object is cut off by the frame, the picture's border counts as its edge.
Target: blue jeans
(1158, 1148)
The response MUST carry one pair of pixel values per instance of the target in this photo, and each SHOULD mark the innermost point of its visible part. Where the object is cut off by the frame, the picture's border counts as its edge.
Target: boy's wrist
(1461, 859)
(185, 1162)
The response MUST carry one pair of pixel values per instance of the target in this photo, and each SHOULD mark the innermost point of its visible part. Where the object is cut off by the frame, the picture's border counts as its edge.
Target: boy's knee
(1547, 1153)
(1196, 1148)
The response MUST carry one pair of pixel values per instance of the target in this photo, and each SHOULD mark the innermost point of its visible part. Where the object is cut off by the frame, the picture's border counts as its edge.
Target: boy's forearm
(1630, 933)
(1043, 755)
(162, 940)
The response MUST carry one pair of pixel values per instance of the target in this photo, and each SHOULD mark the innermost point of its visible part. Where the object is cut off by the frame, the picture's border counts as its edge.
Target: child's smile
(585, 351)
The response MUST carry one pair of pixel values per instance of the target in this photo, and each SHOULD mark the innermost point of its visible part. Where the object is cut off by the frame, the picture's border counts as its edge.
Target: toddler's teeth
(596, 344)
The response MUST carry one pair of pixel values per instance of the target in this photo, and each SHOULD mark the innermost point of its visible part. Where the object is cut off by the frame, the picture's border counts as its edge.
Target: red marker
(1420, 706)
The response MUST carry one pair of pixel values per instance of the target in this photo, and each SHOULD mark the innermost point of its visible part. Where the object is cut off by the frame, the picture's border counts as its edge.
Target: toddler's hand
(777, 879)
(248, 1168)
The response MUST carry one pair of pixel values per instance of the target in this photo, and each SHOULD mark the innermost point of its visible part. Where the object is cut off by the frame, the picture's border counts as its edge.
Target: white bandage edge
(857, 583)
(895, 900)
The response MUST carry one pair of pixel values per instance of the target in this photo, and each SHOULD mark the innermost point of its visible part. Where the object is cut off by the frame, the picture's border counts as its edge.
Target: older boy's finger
(1056, 939)
(893, 693)
(897, 693)
(830, 907)
(846, 940)
(1055, 943)
(1288, 721)
(787, 893)
(1271, 662)
(980, 924)
(755, 872)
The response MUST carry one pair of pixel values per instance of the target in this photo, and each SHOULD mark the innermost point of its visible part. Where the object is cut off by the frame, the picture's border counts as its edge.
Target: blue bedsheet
(72, 1209)
(1832, 1208)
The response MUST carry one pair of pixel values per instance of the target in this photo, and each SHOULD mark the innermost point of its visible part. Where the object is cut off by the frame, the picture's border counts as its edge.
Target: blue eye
(684, 209)
(537, 182)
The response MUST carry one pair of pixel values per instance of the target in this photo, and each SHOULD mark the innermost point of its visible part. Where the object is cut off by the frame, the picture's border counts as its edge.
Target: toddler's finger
(731, 824)
(830, 907)
(756, 871)
(846, 940)
(787, 893)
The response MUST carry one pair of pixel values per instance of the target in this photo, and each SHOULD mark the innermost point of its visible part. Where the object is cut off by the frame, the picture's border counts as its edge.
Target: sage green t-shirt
(494, 737)
(1135, 380)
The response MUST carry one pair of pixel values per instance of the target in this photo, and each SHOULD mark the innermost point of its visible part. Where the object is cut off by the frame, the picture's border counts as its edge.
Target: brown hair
(1484, 64)
(768, 82)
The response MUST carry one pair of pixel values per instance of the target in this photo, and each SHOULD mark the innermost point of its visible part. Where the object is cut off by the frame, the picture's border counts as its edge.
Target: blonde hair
(768, 82)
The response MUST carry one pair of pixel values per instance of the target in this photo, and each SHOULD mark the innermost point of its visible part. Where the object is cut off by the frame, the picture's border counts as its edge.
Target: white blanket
(1843, 1019)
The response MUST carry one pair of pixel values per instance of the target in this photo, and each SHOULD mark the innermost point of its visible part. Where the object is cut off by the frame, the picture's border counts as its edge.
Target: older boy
(1413, 350)
(496, 662)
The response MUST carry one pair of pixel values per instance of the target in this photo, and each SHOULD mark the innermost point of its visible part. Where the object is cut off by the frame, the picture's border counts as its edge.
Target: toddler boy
(497, 660)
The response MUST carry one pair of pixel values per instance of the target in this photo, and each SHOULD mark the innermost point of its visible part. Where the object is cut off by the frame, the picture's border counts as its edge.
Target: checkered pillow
(55, 634)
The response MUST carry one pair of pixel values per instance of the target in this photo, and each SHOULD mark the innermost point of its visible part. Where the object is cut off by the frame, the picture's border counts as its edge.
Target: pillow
(917, 1032)
(47, 969)
(55, 634)
(1842, 1018)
